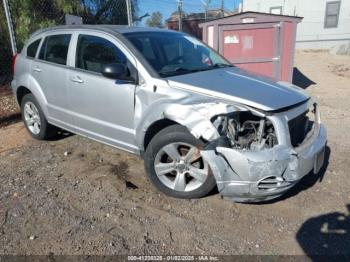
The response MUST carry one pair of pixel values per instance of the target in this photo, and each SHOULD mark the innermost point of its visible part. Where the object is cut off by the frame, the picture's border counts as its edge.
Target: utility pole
(179, 7)
(206, 7)
(222, 8)
(129, 12)
(10, 27)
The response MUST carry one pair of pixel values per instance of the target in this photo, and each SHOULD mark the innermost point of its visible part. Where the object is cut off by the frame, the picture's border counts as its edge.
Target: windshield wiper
(182, 70)
(215, 66)
(218, 65)
(179, 70)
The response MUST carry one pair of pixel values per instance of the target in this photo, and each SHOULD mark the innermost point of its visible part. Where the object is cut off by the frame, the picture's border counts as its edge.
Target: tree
(5, 51)
(31, 15)
(108, 11)
(156, 20)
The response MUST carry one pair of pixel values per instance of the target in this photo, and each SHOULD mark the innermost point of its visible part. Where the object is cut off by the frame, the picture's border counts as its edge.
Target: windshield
(173, 54)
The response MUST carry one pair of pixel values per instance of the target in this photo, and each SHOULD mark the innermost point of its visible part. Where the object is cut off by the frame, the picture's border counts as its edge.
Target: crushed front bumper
(253, 176)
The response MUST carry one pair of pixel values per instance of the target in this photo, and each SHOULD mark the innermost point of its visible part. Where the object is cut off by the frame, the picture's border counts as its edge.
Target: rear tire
(34, 119)
(174, 165)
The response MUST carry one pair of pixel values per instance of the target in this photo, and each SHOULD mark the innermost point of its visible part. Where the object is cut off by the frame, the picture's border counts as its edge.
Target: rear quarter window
(55, 49)
(32, 48)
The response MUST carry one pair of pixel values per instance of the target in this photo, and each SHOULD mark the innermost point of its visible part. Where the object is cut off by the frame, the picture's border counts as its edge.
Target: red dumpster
(258, 42)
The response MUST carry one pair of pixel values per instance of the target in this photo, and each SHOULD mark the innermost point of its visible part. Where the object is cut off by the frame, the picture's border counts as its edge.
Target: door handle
(77, 79)
(37, 69)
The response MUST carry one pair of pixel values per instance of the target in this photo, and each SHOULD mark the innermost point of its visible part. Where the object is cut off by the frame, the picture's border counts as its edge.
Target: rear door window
(55, 49)
(32, 48)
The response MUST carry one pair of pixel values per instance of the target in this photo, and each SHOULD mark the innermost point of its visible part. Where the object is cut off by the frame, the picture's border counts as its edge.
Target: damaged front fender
(192, 111)
(197, 117)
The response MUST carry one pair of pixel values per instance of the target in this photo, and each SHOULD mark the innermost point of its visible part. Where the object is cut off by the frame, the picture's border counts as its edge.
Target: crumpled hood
(240, 86)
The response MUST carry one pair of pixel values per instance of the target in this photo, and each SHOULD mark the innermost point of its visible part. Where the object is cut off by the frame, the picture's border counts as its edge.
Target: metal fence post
(129, 12)
(10, 27)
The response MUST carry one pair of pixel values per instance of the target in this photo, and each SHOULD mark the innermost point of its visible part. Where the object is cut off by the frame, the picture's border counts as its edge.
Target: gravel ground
(9, 111)
(76, 196)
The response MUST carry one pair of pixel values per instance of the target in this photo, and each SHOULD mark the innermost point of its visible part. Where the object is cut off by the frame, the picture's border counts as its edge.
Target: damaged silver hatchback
(198, 121)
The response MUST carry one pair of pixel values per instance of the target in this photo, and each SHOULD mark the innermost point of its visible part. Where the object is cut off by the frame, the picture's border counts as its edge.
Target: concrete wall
(311, 33)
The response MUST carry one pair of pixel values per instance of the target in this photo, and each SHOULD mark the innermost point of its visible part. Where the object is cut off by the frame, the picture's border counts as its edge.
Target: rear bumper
(253, 176)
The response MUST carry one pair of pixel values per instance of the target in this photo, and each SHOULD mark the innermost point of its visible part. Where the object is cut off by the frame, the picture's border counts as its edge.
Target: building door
(254, 47)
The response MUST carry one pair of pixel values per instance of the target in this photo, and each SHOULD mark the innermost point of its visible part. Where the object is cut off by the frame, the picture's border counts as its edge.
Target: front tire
(174, 165)
(34, 119)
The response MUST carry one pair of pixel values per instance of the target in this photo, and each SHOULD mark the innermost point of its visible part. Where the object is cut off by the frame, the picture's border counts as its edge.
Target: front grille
(298, 129)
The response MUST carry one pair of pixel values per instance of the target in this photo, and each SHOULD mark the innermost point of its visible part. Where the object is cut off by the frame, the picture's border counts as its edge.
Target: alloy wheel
(32, 117)
(180, 167)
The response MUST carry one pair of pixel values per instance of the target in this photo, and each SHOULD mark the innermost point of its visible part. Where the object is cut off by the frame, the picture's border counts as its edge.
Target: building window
(332, 14)
(276, 10)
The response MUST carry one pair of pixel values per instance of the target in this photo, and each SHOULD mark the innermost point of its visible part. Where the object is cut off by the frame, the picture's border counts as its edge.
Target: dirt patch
(76, 196)
(341, 70)
(9, 110)
(13, 136)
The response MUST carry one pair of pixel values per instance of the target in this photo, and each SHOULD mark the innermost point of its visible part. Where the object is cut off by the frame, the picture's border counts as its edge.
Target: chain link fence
(5, 50)
(30, 15)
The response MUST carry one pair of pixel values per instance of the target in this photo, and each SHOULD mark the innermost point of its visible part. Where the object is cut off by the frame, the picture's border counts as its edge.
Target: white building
(326, 23)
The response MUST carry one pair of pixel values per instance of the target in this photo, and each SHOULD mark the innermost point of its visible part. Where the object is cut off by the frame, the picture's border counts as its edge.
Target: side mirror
(117, 72)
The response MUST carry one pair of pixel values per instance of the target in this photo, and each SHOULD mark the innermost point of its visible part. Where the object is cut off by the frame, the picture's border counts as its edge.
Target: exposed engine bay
(246, 131)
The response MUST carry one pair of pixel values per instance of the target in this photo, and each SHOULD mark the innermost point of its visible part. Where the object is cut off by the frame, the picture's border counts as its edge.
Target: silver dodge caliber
(196, 120)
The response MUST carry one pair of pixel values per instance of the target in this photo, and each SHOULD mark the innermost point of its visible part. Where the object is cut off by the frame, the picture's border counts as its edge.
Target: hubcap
(180, 167)
(32, 118)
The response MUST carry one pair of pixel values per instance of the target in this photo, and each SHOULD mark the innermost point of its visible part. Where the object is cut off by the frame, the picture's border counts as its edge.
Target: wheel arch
(21, 92)
(27, 84)
(155, 128)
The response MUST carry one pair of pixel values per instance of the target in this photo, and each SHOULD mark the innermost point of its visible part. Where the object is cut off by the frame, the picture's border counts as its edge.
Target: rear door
(102, 108)
(252, 47)
(50, 72)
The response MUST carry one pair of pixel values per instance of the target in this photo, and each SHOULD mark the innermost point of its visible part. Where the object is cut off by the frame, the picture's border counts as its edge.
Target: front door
(102, 108)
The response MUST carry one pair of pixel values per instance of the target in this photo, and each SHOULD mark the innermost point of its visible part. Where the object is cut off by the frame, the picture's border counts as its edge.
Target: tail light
(14, 63)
